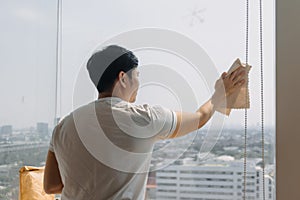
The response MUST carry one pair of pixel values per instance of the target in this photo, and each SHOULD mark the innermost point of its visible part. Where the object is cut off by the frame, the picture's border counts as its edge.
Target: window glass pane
(206, 163)
(219, 28)
(27, 85)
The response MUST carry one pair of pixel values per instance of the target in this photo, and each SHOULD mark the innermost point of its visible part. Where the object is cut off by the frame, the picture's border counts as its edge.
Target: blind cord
(246, 113)
(262, 100)
(262, 96)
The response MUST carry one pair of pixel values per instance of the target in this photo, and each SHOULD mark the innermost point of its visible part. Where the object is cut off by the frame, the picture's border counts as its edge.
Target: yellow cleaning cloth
(240, 98)
(31, 184)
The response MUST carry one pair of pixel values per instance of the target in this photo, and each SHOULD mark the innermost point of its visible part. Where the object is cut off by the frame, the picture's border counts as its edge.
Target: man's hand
(228, 84)
(225, 86)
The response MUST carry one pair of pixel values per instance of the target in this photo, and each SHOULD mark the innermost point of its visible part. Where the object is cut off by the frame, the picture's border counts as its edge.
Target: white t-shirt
(103, 149)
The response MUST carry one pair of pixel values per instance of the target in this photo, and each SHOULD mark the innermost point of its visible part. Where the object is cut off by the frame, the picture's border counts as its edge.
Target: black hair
(105, 65)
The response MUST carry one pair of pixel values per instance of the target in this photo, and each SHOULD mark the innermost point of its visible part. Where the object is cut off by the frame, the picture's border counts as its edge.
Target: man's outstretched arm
(226, 85)
(52, 178)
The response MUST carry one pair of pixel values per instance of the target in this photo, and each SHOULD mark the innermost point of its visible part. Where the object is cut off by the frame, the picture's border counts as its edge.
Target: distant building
(214, 180)
(6, 130)
(4, 174)
(42, 128)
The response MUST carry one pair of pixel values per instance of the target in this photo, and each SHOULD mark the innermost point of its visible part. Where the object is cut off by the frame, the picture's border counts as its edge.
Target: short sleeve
(152, 121)
(51, 144)
(166, 120)
(145, 121)
(51, 148)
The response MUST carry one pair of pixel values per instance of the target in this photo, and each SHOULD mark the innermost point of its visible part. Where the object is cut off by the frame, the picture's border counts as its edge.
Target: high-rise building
(42, 128)
(214, 180)
(6, 130)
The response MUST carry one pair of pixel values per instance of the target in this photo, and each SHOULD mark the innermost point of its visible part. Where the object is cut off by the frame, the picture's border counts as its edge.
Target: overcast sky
(28, 39)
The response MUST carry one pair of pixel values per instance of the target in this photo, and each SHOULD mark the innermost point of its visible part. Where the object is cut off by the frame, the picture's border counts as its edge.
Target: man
(81, 166)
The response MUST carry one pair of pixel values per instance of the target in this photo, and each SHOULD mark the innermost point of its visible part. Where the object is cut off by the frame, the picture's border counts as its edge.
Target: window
(216, 34)
(28, 81)
(27, 85)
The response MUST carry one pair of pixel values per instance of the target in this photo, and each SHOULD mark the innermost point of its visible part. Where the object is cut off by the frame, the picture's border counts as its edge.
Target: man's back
(117, 171)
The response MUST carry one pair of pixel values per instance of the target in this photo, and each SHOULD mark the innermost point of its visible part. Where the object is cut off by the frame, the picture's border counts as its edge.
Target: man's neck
(103, 95)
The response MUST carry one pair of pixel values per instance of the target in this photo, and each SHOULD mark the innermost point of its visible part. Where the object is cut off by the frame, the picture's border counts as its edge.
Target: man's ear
(122, 78)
